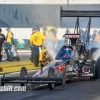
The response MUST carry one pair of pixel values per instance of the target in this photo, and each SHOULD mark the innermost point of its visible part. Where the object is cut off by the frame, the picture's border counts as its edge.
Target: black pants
(0, 52)
(35, 54)
(31, 52)
(7, 53)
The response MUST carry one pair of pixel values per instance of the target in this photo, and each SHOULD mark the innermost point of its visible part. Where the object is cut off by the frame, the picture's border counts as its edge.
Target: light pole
(67, 18)
(67, 4)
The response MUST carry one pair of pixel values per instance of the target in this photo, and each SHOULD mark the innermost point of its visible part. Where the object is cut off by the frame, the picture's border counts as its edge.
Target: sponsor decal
(83, 74)
(86, 69)
(89, 74)
(71, 36)
(60, 67)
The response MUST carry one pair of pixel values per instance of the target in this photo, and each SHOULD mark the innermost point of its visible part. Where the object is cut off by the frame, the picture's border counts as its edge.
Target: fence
(22, 35)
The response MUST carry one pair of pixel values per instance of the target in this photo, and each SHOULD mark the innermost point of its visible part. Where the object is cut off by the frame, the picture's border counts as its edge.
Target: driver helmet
(68, 50)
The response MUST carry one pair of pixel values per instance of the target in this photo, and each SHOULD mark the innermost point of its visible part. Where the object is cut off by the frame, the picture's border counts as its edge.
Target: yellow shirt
(9, 36)
(37, 38)
(97, 38)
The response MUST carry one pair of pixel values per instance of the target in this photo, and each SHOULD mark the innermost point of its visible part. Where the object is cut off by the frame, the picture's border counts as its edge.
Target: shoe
(7, 59)
(0, 57)
(36, 66)
(10, 59)
(32, 61)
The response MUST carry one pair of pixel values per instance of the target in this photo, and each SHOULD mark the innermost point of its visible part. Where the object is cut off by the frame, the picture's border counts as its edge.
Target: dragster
(72, 60)
(69, 63)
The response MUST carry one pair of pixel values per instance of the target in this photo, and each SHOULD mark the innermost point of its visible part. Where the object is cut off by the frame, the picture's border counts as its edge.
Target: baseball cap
(44, 28)
(8, 28)
(33, 29)
(37, 28)
(53, 31)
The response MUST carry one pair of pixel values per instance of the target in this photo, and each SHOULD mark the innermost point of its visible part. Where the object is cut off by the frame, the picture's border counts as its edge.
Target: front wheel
(51, 74)
(1, 79)
(23, 73)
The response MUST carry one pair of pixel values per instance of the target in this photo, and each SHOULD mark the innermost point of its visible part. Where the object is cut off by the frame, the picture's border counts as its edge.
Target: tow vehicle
(72, 60)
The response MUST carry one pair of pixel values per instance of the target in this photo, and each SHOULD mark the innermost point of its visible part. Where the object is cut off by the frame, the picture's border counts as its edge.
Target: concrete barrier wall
(25, 33)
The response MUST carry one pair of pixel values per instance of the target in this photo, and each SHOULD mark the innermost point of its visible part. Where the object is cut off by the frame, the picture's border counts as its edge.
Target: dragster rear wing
(30, 80)
(79, 13)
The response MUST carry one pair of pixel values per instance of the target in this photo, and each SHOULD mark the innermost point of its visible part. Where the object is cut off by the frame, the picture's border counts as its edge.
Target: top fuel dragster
(71, 62)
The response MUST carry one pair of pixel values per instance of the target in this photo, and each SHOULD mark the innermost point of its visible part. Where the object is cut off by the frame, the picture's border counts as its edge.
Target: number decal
(36, 38)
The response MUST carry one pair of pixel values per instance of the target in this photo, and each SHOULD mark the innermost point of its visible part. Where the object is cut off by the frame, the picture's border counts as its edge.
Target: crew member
(97, 38)
(94, 35)
(2, 38)
(10, 42)
(36, 41)
(53, 34)
(33, 31)
(45, 32)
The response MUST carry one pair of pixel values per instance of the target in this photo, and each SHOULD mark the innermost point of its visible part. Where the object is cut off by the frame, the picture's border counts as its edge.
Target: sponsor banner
(49, 2)
(22, 1)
